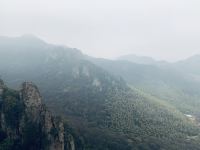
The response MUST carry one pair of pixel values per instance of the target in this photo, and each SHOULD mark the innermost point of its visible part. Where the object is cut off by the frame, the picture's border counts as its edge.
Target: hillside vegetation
(98, 106)
(169, 82)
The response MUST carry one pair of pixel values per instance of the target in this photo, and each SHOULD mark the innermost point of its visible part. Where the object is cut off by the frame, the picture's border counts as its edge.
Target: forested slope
(101, 108)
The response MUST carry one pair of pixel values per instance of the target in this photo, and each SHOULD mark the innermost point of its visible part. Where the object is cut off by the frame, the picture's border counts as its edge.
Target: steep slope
(190, 66)
(26, 124)
(164, 81)
(103, 110)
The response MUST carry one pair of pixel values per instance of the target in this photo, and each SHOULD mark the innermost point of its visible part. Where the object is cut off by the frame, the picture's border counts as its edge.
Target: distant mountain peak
(29, 36)
(137, 59)
(197, 56)
(191, 59)
(27, 39)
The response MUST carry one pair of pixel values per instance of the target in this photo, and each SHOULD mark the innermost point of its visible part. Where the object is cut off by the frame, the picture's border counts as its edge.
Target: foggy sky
(163, 29)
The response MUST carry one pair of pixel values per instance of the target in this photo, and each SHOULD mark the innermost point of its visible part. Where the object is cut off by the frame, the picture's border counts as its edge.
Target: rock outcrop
(1, 86)
(26, 124)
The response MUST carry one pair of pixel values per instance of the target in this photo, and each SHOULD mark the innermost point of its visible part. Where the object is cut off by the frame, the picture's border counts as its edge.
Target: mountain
(26, 124)
(101, 108)
(190, 66)
(170, 82)
(138, 59)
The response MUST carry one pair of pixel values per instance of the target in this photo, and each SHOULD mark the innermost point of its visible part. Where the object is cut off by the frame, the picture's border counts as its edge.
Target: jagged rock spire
(32, 116)
(1, 86)
(1, 83)
(31, 95)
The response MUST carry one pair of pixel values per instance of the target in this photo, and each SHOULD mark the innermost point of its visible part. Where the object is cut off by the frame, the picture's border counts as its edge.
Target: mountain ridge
(83, 92)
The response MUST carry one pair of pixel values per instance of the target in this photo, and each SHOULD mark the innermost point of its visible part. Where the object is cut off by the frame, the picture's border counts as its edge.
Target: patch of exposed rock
(25, 123)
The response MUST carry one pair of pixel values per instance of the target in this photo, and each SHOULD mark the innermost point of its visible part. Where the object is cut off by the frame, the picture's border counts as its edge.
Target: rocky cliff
(26, 124)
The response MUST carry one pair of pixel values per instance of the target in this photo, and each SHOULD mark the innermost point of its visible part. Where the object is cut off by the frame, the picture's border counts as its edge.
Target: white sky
(163, 29)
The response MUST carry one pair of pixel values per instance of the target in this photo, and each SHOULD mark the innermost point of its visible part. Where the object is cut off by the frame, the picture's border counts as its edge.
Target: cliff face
(25, 123)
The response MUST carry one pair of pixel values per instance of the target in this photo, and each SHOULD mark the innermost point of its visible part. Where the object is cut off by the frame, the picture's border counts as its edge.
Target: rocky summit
(26, 124)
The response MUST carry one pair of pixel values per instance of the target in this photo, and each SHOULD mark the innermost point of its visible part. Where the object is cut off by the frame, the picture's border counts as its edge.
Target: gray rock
(36, 113)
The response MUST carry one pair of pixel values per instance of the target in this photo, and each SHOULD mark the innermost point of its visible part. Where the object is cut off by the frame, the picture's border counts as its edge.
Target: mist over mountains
(124, 104)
